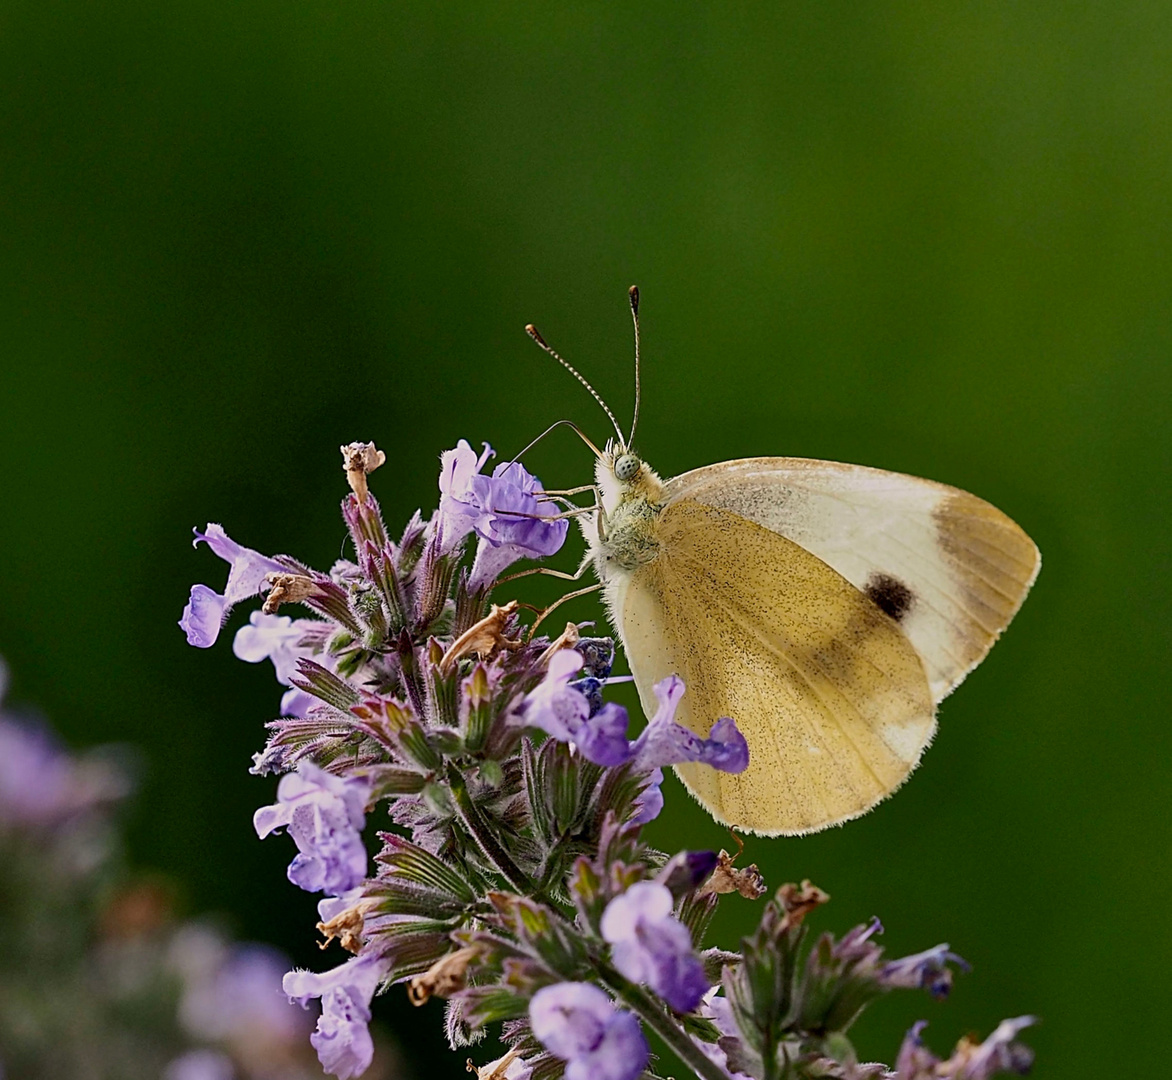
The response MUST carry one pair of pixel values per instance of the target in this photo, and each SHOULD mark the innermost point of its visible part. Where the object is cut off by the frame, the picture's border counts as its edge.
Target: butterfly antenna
(633, 296)
(531, 330)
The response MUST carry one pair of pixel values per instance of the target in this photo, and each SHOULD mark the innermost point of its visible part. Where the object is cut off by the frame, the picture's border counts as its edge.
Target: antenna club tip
(531, 330)
(633, 293)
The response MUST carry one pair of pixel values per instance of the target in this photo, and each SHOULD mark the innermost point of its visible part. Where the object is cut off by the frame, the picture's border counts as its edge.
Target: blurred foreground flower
(97, 977)
(515, 881)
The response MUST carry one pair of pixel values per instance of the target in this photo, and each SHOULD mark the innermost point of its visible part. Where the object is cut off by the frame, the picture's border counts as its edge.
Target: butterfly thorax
(626, 522)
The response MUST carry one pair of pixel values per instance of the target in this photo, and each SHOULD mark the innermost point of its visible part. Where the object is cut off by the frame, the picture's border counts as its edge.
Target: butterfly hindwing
(950, 568)
(830, 694)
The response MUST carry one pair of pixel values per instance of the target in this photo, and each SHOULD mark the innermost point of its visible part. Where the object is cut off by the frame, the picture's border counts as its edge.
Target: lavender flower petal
(578, 1023)
(272, 637)
(342, 1039)
(664, 742)
(206, 609)
(928, 970)
(650, 945)
(505, 510)
(324, 814)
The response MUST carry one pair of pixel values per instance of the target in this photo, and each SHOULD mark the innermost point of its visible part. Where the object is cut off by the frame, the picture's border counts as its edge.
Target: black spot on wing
(890, 594)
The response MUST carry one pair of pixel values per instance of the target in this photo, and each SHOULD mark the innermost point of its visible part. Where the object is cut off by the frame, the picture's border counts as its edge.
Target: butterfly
(828, 608)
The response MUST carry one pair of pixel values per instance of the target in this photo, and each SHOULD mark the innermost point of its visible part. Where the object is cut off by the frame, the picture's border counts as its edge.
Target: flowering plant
(515, 882)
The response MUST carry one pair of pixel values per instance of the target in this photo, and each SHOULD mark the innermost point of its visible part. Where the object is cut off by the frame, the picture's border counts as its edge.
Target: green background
(929, 238)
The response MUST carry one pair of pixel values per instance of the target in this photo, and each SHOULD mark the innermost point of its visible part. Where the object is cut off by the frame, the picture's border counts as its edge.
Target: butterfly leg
(558, 603)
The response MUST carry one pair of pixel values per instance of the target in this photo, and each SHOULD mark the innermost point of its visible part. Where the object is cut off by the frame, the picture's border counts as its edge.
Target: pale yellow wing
(951, 568)
(828, 691)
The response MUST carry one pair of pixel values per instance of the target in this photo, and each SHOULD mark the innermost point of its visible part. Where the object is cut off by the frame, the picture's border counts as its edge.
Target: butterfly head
(622, 475)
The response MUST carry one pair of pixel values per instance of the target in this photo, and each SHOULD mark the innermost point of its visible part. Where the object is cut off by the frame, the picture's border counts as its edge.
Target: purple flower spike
(207, 609)
(504, 510)
(342, 1039)
(578, 1023)
(324, 814)
(650, 945)
(928, 970)
(664, 742)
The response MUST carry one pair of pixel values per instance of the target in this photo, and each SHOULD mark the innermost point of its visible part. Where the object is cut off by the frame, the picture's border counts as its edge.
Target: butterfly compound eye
(626, 467)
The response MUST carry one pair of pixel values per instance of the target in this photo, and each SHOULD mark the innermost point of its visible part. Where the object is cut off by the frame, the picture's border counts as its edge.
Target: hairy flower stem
(678, 1041)
(479, 830)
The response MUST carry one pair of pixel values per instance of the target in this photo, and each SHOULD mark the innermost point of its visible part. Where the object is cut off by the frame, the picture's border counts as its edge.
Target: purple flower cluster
(505, 510)
(324, 814)
(512, 787)
(578, 1023)
(649, 945)
(561, 709)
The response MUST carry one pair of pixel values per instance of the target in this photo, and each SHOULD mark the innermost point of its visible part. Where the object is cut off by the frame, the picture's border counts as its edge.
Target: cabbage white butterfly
(827, 608)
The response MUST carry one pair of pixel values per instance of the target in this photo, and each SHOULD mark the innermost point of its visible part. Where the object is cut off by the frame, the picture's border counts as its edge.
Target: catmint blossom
(324, 814)
(649, 945)
(282, 640)
(578, 1023)
(342, 1039)
(504, 510)
(924, 970)
(560, 709)
(207, 609)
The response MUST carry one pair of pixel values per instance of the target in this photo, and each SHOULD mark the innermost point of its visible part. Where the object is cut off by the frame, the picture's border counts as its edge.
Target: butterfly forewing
(830, 694)
(951, 569)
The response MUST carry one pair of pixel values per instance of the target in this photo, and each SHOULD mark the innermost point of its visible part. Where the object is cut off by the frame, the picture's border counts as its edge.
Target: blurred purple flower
(970, 1061)
(342, 1039)
(649, 945)
(928, 970)
(504, 511)
(233, 994)
(41, 783)
(200, 1065)
(324, 814)
(207, 609)
(578, 1023)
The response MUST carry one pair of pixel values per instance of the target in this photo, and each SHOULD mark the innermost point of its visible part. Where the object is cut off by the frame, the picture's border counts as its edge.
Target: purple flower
(207, 609)
(342, 1039)
(200, 1065)
(560, 709)
(324, 814)
(276, 638)
(282, 640)
(648, 803)
(970, 1061)
(232, 994)
(650, 945)
(504, 511)
(578, 1023)
(928, 970)
(664, 742)
(998, 1053)
(42, 784)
